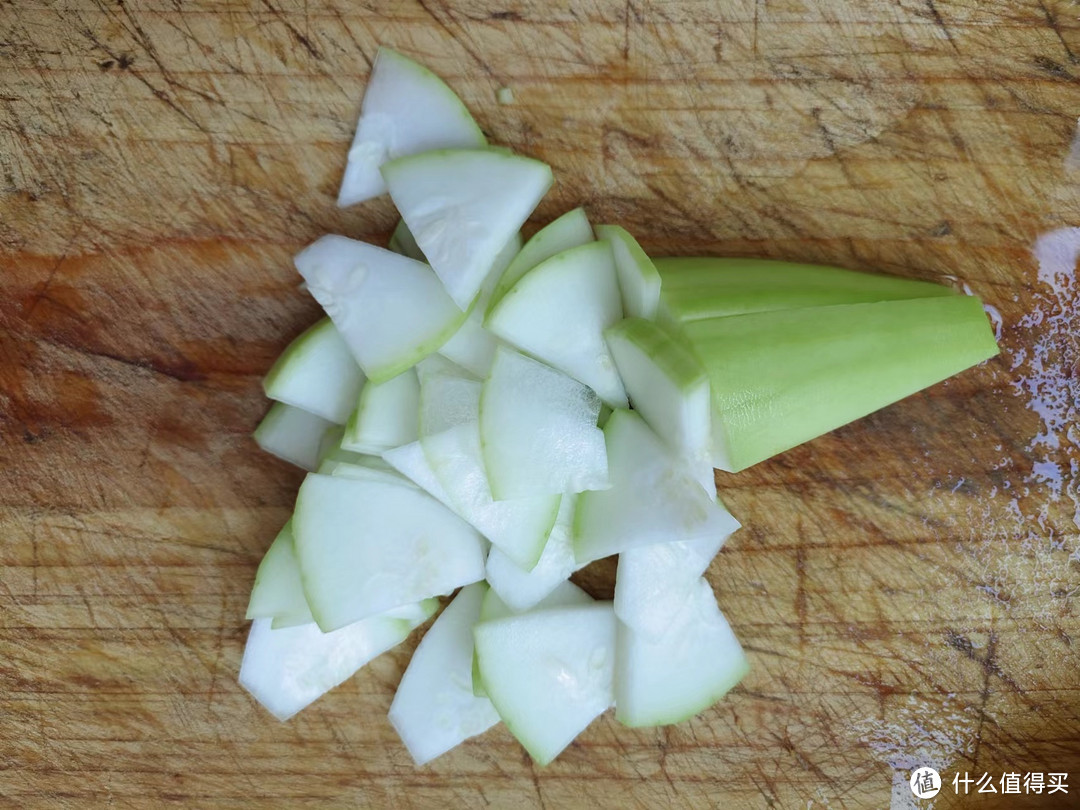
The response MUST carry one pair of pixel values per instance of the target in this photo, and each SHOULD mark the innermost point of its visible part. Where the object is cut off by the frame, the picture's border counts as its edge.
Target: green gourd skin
(570, 230)
(700, 288)
(784, 377)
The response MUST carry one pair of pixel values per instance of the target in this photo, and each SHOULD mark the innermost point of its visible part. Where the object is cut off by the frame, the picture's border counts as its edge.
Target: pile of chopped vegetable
(484, 416)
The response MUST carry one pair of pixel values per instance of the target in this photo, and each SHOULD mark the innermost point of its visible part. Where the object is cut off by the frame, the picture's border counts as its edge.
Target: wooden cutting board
(906, 588)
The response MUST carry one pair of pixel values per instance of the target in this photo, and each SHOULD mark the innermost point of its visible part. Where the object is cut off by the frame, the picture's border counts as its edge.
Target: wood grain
(906, 587)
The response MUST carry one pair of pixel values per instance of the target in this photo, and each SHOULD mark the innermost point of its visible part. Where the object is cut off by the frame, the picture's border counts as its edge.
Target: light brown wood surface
(906, 588)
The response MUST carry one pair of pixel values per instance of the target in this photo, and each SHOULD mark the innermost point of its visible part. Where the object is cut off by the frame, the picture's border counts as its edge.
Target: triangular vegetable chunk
(639, 280)
(292, 435)
(519, 527)
(450, 436)
(387, 415)
(367, 546)
(687, 669)
(565, 594)
(406, 109)
(434, 708)
(548, 673)
(654, 497)
(278, 593)
(449, 395)
(287, 669)
(390, 310)
(521, 589)
(538, 430)
(317, 373)
(473, 347)
(558, 312)
(511, 250)
(570, 230)
(655, 583)
(668, 388)
(463, 206)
